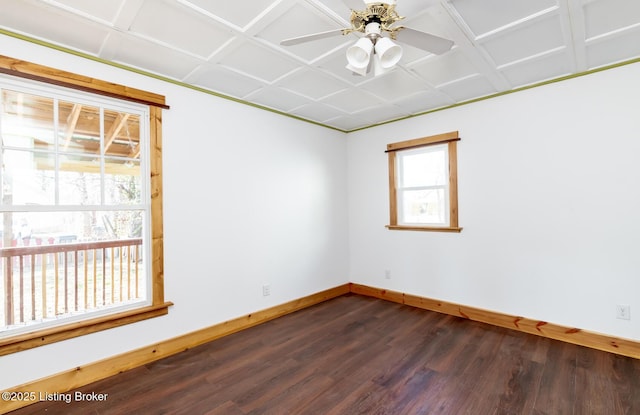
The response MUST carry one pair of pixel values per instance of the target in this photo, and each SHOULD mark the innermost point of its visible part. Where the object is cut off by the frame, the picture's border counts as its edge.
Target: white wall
(250, 198)
(549, 195)
(549, 203)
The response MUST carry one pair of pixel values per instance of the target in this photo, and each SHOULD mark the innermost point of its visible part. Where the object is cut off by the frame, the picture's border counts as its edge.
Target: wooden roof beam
(115, 129)
(135, 152)
(72, 121)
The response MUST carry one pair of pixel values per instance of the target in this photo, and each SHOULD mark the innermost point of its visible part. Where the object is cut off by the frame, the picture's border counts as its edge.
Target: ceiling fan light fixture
(373, 52)
(377, 67)
(362, 71)
(359, 54)
(388, 51)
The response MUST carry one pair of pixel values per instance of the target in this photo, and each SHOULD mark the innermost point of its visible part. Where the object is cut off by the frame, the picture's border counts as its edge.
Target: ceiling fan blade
(308, 38)
(355, 4)
(424, 41)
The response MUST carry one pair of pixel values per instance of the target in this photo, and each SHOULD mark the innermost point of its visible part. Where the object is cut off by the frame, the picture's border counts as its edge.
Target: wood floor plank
(227, 408)
(359, 355)
(557, 391)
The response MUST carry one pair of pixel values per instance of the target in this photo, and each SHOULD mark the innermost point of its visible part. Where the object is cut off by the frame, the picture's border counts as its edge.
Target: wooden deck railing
(49, 281)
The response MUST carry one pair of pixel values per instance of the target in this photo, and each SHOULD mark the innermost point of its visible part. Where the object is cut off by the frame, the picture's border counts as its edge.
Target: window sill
(424, 228)
(27, 341)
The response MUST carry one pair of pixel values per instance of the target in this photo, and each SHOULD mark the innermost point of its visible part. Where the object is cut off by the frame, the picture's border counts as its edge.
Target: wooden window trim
(48, 75)
(158, 306)
(424, 141)
(450, 138)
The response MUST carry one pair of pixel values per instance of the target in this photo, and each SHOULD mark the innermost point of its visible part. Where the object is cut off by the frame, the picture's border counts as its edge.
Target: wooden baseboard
(83, 375)
(624, 347)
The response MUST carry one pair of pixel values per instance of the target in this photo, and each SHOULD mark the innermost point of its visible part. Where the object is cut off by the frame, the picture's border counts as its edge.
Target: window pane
(122, 134)
(122, 182)
(78, 128)
(37, 228)
(72, 263)
(423, 167)
(27, 178)
(27, 121)
(424, 206)
(79, 180)
(63, 227)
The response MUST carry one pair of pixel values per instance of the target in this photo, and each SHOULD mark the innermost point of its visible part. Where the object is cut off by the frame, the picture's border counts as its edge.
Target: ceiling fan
(374, 50)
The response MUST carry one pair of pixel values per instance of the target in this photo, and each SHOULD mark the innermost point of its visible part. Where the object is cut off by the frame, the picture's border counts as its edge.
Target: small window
(423, 184)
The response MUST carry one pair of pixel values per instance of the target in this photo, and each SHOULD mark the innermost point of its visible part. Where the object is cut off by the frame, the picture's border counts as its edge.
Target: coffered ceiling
(232, 48)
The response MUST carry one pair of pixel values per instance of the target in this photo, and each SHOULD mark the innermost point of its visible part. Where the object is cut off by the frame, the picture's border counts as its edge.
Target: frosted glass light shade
(388, 51)
(359, 54)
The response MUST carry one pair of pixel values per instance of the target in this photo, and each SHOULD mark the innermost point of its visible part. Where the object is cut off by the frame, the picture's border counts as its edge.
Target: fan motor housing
(381, 13)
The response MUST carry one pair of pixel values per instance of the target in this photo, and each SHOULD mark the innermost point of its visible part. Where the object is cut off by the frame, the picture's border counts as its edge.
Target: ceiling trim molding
(257, 106)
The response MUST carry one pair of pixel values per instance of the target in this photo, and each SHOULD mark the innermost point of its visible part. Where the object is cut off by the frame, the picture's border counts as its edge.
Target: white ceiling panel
(141, 53)
(313, 84)
(258, 61)
(221, 80)
(300, 20)
(411, 54)
(277, 98)
(394, 85)
(336, 7)
(467, 89)
(542, 68)
(489, 15)
(411, 8)
(103, 10)
(424, 101)
(383, 113)
(352, 100)
(446, 68)
(233, 48)
(237, 13)
(317, 112)
(188, 31)
(348, 123)
(531, 39)
(605, 16)
(36, 19)
(613, 49)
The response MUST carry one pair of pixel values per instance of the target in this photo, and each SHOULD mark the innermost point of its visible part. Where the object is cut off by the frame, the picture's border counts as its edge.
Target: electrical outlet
(387, 274)
(623, 311)
(266, 290)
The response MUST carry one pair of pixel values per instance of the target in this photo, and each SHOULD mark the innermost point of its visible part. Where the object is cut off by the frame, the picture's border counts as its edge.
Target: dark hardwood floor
(358, 355)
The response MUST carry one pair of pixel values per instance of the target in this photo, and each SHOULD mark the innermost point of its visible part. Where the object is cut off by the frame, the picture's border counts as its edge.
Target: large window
(423, 185)
(80, 231)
